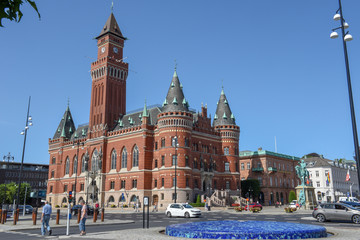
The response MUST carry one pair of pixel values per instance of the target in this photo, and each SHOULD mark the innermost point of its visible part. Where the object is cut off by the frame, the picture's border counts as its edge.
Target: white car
(294, 204)
(182, 210)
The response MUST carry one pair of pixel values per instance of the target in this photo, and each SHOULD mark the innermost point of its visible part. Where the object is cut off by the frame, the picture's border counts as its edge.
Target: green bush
(113, 206)
(197, 204)
(64, 206)
(292, 196)
(198, 200)
(57, 206)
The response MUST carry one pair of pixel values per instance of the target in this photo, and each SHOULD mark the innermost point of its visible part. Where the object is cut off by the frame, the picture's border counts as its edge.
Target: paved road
(160, 220)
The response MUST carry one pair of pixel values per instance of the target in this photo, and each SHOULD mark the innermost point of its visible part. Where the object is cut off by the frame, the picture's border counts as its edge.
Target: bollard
(102, 214)
(17, 214)
(79, 215)
(14, 217)
(57, 217)
(95, 215)
(5, 216)
(35, 216)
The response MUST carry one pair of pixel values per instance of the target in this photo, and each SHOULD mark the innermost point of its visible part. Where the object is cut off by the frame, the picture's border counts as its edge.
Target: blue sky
(282, 74)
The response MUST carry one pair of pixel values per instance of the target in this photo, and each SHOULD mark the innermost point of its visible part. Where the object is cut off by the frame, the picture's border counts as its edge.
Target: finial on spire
(68, 103)
(222, 87)
(112, 6)
(175, 74)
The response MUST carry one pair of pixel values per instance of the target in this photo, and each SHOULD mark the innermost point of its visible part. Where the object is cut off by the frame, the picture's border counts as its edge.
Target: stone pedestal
(310, 198)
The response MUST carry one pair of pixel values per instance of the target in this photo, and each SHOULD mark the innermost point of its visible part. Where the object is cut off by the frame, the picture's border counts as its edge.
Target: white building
(319, 167)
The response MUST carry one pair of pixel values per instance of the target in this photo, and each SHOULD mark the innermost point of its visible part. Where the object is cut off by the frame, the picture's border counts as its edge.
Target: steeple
(175, 100)
(145, 111)
(111, 26)
(223, 115)
(66, 126)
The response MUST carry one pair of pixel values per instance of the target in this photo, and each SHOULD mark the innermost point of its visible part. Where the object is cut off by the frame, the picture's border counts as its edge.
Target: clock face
(115, 50)
(103, 49)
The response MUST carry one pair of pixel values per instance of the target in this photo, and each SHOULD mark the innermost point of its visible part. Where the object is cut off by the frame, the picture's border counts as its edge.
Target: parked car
(253, 205)
(336, 211)
(349, 199)
(182, 210)
(294, 204)
(75, 209)
(354, 204)
(28, 209)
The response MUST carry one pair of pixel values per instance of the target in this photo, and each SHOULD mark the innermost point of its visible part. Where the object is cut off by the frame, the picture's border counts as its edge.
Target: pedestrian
(83, 218)
(45, 218)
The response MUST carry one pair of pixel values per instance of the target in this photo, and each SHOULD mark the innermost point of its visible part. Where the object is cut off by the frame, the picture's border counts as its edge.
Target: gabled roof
(81, 132)
(111, 26)
(175, 99)
(223, 115)
(66, 126)
(135, 118)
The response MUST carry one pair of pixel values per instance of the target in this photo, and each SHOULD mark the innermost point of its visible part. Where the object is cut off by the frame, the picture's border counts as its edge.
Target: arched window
(75, 165)
(135, 157)
(133, 198)
(95, 161)
(67, 166)
(113, 159)
(83, 163)
(124, 158)
(111, 199)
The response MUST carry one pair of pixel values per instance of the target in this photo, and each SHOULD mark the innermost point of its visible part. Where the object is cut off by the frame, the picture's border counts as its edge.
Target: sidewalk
(26, 223)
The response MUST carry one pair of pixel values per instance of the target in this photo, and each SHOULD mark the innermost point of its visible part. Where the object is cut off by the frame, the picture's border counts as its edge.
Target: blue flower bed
(245, 230)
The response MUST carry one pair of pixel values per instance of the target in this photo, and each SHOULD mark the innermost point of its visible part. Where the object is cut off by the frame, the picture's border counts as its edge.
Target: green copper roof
(66, 127)
(225, 101)
(83, 132)
(215, 117)
(224, 116)
(172, 84)
(175, 73)
(175, 96)
(145, 111)
(63, 133)
(232, 116)
(264, 152)
(165, 102)
(175, 101)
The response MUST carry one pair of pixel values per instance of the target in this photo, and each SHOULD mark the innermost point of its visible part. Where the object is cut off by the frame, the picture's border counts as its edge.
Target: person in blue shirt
(45, 218)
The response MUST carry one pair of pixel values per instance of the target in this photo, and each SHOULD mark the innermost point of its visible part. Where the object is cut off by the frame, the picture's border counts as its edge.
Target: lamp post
(87, 173)
(346, 37)
(27, 124)
(77, 164)
(6, 157)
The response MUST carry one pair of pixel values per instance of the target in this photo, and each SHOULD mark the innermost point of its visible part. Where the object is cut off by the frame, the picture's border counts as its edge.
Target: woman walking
(83, 218)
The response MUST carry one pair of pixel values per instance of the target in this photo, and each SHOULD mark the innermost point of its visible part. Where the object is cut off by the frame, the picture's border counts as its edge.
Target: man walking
(45, 218)
(83, 218)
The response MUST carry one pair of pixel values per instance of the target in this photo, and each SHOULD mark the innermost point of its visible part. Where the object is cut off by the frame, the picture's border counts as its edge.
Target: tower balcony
(259, 169)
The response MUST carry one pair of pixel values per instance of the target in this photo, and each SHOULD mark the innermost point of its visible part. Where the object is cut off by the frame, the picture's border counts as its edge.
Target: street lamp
(24, 132)
(346, 38)
(77, 163)
(6, 157)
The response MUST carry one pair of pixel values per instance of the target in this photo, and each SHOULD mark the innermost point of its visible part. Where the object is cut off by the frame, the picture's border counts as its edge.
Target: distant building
(329, 191)
(275, 172)
(34, 174)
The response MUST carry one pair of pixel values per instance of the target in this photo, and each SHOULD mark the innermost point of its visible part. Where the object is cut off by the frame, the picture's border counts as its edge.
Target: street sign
(146, 201)
(348, 194)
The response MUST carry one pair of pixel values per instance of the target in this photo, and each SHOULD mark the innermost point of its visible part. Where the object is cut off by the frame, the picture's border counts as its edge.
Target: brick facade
(126, 156)
(275, 172)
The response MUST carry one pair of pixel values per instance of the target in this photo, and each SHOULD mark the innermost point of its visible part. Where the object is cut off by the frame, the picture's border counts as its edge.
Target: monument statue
(303, 174)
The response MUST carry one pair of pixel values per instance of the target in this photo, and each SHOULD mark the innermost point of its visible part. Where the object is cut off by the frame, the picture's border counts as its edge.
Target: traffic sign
(146, 201)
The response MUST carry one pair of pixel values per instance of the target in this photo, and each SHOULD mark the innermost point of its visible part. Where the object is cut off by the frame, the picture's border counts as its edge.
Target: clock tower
(108, 74)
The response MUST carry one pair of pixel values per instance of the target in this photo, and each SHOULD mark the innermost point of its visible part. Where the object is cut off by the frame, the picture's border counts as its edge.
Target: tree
(10, 9)
(292, 196)
(198, 199)
(11, 192)
(250, 184)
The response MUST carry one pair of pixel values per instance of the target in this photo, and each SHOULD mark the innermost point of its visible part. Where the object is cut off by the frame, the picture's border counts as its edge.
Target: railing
(272, 169)
(260, 169)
